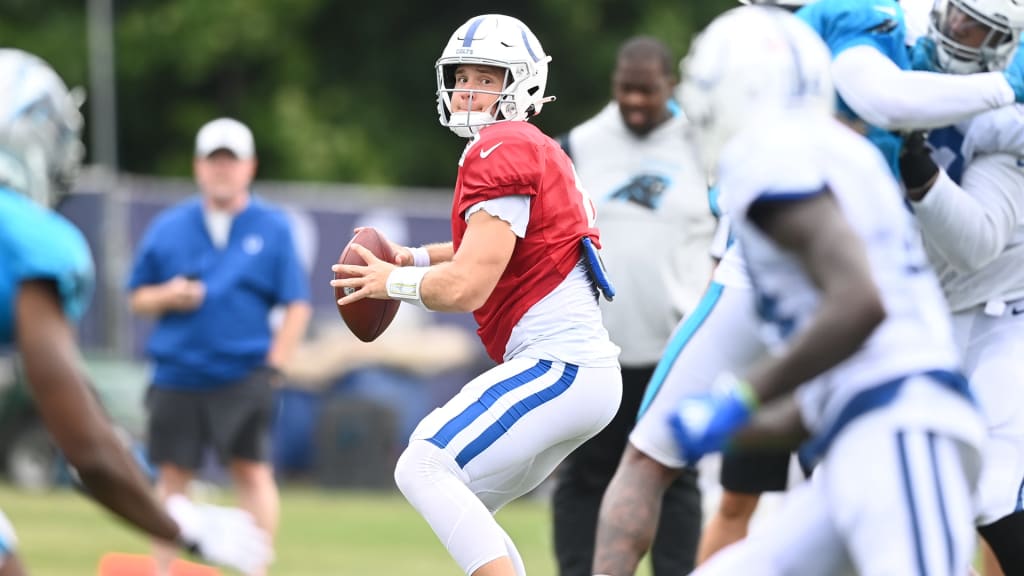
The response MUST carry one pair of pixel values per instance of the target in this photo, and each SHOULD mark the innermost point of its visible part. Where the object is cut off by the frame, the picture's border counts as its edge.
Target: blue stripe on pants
(947, 530)
(513, 414)
(908, 487)
(679, 340)
(486, 400)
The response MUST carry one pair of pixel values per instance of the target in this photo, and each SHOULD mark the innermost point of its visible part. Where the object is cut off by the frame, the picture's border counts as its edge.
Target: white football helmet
(1001, 19)
(494, 40)
(40, 128)
(752, 63)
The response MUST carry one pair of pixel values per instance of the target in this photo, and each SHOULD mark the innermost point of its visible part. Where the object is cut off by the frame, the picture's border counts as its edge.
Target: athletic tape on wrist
(404, 283)
(420, 256)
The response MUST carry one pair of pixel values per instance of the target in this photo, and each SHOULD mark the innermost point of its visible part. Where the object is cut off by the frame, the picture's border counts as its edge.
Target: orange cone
(118, 564)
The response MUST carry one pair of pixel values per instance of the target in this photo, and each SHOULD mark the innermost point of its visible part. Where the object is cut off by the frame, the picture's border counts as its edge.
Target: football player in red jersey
(523, 260)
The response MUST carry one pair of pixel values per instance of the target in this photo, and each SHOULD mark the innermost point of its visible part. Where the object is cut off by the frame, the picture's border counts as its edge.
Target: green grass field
(322, 534)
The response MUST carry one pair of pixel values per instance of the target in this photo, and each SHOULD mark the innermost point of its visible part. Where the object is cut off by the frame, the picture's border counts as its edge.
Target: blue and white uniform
(867, 40)
(972, 220)
(898, 406)
(721, 334)
(38, 244)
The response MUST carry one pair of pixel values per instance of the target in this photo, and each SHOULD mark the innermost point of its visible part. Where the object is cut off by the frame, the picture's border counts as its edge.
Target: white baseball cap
(225, 134)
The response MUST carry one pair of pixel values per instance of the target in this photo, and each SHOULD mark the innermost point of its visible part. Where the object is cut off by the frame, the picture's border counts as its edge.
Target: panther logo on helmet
(504, 42)
(40, 128)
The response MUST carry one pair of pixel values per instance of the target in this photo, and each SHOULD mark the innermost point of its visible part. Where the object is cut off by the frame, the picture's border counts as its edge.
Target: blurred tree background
(335, 90)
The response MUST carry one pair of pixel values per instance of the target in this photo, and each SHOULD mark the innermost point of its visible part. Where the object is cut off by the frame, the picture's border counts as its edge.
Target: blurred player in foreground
(864, 353)
(971, 213)
(46, 280)
(523, 261)
(877, 93)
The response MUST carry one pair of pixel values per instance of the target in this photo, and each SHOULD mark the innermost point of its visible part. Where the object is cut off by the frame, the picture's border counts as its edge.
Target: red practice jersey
(516, 158)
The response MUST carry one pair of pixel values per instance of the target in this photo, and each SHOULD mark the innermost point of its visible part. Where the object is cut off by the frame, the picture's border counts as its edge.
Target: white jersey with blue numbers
(793, 157)
(880, 24)
(973, 217)
(37, 243)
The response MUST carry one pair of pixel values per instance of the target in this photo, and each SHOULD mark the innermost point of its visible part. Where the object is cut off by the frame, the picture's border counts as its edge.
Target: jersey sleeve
(972, 225)
(843, 24)
(43, 245)
(502, 164)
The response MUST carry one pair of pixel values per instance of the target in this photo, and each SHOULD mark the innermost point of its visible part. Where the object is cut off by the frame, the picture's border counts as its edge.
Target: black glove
(917, 168)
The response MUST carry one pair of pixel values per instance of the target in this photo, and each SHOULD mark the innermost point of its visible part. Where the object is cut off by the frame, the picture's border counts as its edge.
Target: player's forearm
(150, 300)
(970, 229)
(844, 321)
(776, 425)
(74, 417)
(894, 99)
(289, 335)
(449, 287)
(120, 486)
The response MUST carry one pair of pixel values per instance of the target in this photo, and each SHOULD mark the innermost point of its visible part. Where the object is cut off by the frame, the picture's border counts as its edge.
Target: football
(367, 318)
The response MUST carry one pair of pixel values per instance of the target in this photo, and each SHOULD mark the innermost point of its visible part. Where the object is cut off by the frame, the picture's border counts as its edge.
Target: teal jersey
(844, 24)
(37, 243)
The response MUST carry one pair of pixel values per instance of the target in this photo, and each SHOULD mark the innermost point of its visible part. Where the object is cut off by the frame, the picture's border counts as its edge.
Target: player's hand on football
(368, 281)
(403, 256)
(220, 535)
(703, 423)
(183, 294)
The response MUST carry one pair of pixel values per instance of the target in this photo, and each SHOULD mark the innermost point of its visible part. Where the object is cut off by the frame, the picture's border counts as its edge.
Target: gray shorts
(233, 419)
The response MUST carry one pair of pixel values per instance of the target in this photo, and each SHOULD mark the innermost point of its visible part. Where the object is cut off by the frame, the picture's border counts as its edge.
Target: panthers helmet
(1001, 19)
(751, 63)
(494, 40)
(40, 128)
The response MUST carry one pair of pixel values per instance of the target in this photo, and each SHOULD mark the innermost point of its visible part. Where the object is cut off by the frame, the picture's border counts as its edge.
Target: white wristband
(404, 283)
(420, 256)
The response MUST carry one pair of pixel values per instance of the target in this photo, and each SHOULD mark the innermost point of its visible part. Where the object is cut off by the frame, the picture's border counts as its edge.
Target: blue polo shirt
(37, 243)
(228, 336)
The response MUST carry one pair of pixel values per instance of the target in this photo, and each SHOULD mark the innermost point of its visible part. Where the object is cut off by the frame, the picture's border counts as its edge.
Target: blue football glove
(923, 55)
(702, 423)
(1014, 74)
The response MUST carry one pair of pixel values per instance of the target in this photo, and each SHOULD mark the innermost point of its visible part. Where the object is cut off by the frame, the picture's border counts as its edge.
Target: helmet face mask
(975, 35)
(40, 129)
(779, 67)
(501, 42)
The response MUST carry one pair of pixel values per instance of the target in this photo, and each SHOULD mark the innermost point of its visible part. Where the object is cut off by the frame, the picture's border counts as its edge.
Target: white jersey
(796, 156)
(565, 325)
(973, 218)
(656, 226)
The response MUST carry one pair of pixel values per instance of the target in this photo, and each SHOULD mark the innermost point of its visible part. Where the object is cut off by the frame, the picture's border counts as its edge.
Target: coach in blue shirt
(210, 269)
